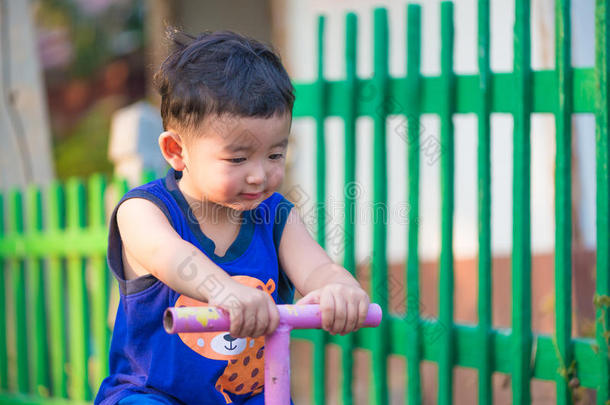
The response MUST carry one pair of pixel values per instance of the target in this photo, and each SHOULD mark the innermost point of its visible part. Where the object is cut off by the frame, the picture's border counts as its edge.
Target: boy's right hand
(252, 311)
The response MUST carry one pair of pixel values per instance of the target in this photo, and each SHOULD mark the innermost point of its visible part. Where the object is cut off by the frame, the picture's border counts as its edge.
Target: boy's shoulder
(146, 200)
(154, 187)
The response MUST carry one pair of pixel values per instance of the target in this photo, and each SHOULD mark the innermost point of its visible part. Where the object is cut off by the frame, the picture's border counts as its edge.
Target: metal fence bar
(484, 208)
(412, 103)
(447, 99)
(602, 288)
(320, 336)
(350, 190)
(521, 258)
(563, 203)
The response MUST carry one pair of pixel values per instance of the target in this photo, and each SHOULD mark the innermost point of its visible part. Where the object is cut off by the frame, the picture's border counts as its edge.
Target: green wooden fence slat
(78, 330)
(563, 203)
(85, 243)
(484, 207)
(563, 91)
(15, 227)
(99, 282)
(320, 118)
(319, 349)
(23, 399)
(379, 271)
(602, 282)
(350, 191)
(412, 103)
(4, 384)
(120, 187)
(37, 333)
(445, 366)
(521, 258)
(55, 293)
(148, 176)
(468, 354)
(543, 87)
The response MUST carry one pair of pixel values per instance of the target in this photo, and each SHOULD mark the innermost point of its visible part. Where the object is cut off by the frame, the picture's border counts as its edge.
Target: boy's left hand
(343, 306)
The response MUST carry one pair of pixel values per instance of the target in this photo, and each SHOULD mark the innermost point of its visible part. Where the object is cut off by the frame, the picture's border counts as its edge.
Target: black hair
(220, 72)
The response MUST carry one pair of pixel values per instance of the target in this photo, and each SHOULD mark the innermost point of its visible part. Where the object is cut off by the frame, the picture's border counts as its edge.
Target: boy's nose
(256, 175)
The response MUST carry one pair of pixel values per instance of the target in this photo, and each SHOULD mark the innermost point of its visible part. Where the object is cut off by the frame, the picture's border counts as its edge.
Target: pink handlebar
(210, 319)
(277, 350)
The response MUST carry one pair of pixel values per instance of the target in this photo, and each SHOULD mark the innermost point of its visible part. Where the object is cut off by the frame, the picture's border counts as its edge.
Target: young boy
(215, 232)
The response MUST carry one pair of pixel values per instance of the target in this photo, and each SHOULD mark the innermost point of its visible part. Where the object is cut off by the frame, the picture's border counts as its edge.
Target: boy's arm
(305, 262)
(150, 239)
(343, 302)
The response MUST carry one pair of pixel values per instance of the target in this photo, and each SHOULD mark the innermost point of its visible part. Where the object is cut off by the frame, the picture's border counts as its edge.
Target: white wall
(25, 139)
(300, 56)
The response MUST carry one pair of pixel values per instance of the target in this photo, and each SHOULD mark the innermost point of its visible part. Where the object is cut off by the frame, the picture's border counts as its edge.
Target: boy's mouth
(250, 196)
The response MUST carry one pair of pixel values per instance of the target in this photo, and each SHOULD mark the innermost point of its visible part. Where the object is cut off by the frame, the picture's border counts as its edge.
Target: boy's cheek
(223, 190)
(276, 178)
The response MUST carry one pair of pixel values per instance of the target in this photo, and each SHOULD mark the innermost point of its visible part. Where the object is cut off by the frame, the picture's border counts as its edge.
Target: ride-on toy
(277, 353)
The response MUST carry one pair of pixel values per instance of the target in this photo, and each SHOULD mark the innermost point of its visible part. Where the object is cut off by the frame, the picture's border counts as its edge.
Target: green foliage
(96, 38)
(85, 150)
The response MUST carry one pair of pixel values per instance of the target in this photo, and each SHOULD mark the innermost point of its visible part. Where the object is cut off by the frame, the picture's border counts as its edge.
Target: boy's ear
(172, 148)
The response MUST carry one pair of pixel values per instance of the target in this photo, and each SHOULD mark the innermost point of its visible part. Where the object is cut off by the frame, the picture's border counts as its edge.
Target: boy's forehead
(236, 133)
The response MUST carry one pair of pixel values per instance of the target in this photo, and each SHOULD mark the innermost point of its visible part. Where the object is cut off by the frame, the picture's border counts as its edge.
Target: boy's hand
(252, 311)
(343, 306)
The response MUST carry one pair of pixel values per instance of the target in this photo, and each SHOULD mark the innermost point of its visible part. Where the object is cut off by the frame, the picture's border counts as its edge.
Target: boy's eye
(236, 160)
(276, 156)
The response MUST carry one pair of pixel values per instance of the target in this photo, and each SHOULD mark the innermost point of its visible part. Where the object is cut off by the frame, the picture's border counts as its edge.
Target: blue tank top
(202, 368)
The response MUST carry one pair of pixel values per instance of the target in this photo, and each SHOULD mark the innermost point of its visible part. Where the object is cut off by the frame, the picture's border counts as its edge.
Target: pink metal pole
(277, 366)
(277, 345)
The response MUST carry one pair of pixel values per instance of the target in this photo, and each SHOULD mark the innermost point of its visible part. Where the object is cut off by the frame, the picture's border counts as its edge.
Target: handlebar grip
(212, 319)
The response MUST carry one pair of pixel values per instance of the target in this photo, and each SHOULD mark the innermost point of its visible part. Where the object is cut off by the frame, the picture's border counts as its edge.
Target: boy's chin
(240, 203)
(245, 205)
(249, 205)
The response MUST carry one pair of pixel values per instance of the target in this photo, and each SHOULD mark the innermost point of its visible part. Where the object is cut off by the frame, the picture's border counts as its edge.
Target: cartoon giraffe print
(245, 362)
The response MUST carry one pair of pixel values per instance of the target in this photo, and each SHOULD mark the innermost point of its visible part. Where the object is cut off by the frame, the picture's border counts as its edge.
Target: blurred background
(93, 57)
(77, 99)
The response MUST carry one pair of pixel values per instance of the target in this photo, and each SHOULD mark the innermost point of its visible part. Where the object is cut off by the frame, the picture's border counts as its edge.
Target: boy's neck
(208, 212)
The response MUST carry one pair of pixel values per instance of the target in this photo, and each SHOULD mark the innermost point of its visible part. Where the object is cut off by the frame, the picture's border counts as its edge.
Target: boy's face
(236, 162)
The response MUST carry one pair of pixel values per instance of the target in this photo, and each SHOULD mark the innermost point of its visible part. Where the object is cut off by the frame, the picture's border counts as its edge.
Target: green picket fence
(54, 287)
(54, 325)
(562, 91)
(55, 284)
